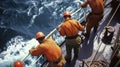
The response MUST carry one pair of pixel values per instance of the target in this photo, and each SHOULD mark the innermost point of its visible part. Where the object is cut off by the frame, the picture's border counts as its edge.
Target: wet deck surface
(90, 45)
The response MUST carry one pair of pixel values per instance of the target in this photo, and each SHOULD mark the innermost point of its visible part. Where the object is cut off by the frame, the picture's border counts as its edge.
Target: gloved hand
(30, 51)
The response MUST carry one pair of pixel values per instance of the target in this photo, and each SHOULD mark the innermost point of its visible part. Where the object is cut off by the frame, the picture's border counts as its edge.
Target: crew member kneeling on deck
(49, 49)
(93, 18)
(70, 29)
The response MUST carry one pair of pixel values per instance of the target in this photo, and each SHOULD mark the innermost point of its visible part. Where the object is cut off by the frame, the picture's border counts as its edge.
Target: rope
(96, 53)
(113, 14)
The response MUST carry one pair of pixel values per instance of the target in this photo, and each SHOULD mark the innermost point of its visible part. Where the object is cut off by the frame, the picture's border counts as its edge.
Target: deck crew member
(93, 18)
(70, 29)
(49, 49)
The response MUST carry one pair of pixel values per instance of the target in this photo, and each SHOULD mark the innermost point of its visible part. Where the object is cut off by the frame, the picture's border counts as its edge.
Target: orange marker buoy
(18, 64)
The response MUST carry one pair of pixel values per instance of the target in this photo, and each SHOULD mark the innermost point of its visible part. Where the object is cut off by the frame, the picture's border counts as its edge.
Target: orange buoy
(18, 64)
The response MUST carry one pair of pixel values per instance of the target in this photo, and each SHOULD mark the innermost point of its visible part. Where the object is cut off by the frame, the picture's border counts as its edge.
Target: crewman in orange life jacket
(70, 29)
(97, 13)
(49, 49)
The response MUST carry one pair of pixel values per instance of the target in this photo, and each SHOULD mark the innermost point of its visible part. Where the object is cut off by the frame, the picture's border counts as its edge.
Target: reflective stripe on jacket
(49, 49)
(70, 28)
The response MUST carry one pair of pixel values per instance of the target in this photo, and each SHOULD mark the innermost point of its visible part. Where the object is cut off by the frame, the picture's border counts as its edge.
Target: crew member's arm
(36, 51)
(79, 26)
(61, 30)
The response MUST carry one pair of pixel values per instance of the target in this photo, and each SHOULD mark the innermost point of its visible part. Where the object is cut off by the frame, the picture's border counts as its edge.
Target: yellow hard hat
(67, 13)
(39, 35)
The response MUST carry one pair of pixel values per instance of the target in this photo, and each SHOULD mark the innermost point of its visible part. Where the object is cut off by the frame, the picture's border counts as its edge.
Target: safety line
(113, 14)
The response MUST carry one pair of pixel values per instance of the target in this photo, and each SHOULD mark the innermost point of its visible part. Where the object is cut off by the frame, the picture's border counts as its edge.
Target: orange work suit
(92, 20)
(50, 50)
(70, 29)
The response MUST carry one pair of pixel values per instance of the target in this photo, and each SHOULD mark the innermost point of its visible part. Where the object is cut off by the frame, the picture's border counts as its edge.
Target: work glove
(30, 51)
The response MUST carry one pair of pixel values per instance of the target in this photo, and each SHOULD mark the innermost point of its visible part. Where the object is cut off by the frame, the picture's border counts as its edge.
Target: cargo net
(99, 64)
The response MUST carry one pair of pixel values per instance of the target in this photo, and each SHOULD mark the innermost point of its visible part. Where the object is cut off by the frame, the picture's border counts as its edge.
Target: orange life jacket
(49, 49)
(70, 28)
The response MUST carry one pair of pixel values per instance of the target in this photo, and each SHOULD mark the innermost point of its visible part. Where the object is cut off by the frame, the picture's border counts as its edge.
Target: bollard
(108, 35)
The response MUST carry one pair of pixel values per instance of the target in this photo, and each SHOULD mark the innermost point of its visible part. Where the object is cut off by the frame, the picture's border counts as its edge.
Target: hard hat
(39, 35)
(67, 13)
(18, 64)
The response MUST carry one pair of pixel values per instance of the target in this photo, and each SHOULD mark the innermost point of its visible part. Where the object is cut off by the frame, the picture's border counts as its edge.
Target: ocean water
(20, 20)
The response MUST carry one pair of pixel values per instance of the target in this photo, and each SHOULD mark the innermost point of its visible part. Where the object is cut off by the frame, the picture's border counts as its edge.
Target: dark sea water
(21, 19)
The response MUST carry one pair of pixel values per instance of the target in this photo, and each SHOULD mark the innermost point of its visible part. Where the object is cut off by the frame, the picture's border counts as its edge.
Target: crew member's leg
(68, 50)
